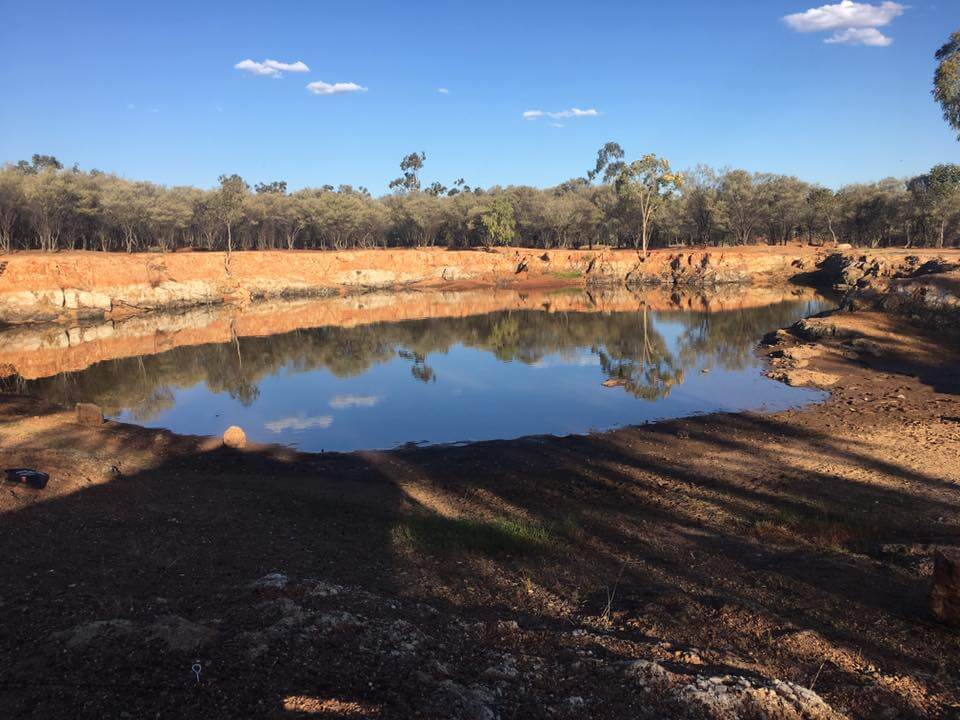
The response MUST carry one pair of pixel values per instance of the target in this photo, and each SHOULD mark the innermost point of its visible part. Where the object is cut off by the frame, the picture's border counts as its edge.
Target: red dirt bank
(63, 286)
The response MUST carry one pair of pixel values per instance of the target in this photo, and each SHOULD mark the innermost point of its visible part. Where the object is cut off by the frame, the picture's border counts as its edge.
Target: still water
(500, 374)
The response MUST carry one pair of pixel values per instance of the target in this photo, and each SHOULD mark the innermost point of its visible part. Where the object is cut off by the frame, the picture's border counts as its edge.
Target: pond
(523, 364)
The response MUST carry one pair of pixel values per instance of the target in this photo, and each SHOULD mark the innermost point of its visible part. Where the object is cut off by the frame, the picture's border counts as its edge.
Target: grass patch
(567, 274)
(441, 536)
(826, 531)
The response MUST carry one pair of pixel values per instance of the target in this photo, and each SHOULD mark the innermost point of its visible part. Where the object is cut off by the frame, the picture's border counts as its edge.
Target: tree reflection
(631, 352)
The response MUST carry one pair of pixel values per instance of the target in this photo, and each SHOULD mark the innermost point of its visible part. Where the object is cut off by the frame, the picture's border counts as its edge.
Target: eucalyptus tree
(820, 212)
(494, 221)
(609, 163)
(50, 197)
(410, 166)
(642, 187)
(276, 187)
(936, 195)
(741, 204)
(785, 198)
(227, 204)
(946, 81)
(699, 205)
(12, 204)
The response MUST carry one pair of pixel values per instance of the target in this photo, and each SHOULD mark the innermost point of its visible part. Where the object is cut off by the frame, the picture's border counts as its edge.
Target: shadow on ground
(771, 545)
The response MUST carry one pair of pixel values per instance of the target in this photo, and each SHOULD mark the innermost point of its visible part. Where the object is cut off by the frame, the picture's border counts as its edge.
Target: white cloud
(860, 36)
(573, 113)
(557, 125)
(271, 68)
(347, 401)
(846, 14)
(299, 423)
(298, 67)
(560, 114)
(443, 91)
(853, 23)
(321, 88)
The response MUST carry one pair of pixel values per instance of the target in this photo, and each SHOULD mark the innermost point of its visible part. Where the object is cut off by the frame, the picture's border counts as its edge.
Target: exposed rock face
(927, 298)
(97, 285)
(235, 437)
(945, 595)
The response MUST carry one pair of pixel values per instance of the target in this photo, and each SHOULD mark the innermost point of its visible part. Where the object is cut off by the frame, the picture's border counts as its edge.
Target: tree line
(639, 203)
(621, 203)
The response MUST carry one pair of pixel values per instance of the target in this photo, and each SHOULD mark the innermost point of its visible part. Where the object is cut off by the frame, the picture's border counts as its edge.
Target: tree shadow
(741, 536)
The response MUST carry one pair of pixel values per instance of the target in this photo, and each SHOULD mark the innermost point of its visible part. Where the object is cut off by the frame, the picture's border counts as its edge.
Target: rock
(864, 345)
(179, 634)
(235, 437)
(89, 414)
(454, 700)
(945, 595)
(731, 697)
(613, 382)
(272, 581)
(816, 328)
(798, 378)
(82, 635)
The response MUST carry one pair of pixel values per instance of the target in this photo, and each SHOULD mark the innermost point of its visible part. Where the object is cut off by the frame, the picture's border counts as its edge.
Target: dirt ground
(623, 574)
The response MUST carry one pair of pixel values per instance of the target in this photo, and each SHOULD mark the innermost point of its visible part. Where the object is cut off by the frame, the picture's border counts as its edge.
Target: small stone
(274, 580)
(945, 596)
(89, 414)
(235, 437)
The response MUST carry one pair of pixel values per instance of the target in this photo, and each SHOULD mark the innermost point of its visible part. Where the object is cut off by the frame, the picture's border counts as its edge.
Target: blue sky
(150, 90)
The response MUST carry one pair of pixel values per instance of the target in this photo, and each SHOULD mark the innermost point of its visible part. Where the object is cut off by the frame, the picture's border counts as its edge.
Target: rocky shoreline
(76, 286)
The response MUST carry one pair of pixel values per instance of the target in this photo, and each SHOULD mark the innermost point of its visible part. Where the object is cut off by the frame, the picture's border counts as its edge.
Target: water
(499, 374)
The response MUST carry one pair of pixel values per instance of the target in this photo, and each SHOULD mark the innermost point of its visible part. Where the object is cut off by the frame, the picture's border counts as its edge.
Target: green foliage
(641, 203)
(410, 166)
(451, 536)
(642, 188)
(496, 224)
(946, 81)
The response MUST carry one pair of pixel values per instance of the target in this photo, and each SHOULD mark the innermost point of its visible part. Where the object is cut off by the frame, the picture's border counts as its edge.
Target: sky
(315, 92)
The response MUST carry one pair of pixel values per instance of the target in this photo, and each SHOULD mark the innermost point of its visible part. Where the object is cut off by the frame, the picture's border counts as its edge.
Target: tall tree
(228, 203)
(609, 163)
(946, 81)
(821, 208)
(941, 187)
(644, 184)
(410, 166)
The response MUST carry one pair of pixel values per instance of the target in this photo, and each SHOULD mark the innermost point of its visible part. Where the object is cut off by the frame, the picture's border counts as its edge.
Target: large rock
(235, 437)
(945, 596)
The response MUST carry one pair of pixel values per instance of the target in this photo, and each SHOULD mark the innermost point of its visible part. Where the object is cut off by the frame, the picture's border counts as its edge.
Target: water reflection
(441, 379)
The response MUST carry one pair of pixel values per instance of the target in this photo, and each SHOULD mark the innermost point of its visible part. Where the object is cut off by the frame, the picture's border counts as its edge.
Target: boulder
(89, 414)
(235, 437)
(945, 595)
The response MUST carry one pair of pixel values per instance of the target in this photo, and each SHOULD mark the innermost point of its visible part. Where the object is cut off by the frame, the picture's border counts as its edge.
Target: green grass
(567, 274)
(440, 536)
(827, 531)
